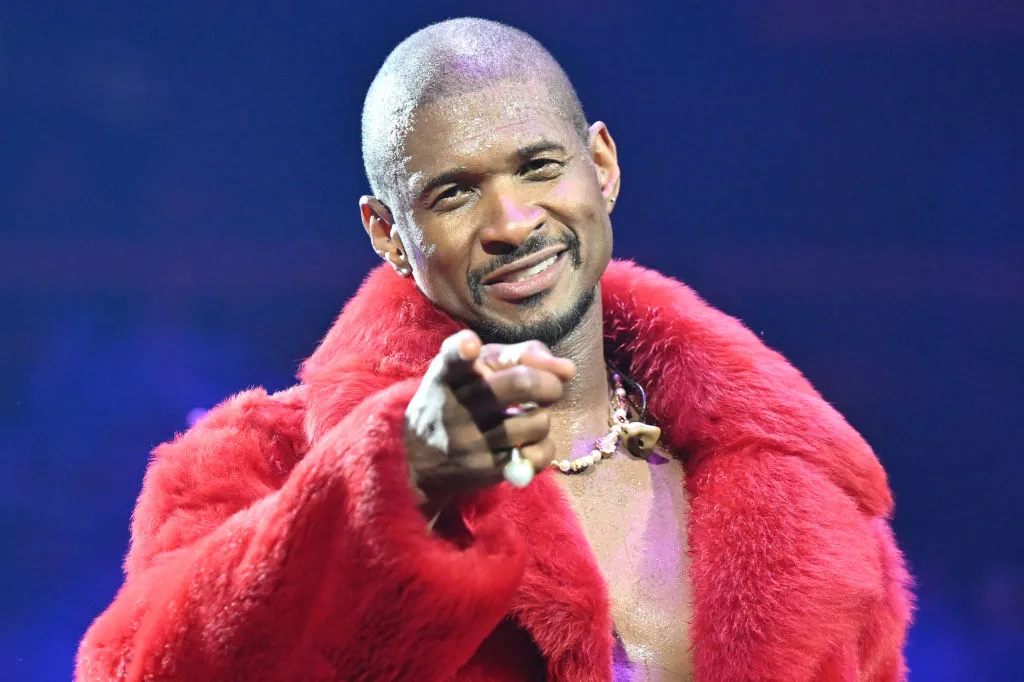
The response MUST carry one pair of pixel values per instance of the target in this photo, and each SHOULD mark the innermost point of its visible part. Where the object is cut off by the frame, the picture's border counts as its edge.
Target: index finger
(457, 357)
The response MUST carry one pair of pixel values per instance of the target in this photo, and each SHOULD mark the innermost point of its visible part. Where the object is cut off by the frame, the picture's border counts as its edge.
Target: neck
(582, 414)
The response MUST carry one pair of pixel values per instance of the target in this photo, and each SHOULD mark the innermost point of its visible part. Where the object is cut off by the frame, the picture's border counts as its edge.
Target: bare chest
(633, 514)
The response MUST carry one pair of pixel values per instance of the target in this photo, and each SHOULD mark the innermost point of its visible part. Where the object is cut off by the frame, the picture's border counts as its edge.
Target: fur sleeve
(329, 573)
(769, 530)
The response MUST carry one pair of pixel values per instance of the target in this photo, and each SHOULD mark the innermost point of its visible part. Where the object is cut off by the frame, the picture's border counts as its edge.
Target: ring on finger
(510, 356)
(520, 409)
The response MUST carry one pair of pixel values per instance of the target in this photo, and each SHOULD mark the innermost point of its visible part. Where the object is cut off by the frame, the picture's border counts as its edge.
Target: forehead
(480, 127)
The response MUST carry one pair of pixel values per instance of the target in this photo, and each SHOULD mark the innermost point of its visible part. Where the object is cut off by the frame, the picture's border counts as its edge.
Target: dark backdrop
(178, 221)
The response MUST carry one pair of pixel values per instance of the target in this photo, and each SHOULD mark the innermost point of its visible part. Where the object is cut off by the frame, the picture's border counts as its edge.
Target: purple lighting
(195, 414)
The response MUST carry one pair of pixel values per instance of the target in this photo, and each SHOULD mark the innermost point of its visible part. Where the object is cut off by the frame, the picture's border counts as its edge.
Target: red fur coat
(279, 539)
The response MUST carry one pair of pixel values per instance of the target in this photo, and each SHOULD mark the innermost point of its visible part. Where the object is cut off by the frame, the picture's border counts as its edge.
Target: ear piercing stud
(401, 270)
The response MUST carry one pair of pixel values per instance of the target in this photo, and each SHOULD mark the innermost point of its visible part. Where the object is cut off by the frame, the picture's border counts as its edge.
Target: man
(358, 527)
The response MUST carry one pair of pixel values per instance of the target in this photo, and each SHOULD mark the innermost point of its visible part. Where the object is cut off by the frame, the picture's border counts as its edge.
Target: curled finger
(528, 428)
(539, 455)
(522, 384)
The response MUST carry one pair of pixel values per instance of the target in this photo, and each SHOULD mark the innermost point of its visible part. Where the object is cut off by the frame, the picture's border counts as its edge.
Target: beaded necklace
(638, 437)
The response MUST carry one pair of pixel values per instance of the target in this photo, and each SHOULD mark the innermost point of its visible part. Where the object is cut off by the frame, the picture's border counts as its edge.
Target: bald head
(448, 59)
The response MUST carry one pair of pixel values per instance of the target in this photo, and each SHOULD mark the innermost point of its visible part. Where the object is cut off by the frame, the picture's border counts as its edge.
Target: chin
(545, 319)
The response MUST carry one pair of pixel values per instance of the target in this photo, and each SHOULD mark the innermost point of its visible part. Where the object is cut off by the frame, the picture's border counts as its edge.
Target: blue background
(178, 221)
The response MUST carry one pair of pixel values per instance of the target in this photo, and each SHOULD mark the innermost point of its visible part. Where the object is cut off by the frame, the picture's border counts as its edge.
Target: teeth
(535, 270)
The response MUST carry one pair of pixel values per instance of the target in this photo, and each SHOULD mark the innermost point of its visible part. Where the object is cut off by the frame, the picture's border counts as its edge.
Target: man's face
(503, 213)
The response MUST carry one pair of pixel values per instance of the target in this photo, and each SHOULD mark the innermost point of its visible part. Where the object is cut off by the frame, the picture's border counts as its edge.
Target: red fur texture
(279, 538)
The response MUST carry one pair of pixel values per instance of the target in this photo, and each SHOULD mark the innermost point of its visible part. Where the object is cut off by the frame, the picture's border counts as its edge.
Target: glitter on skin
(482, 134)
(451, 58)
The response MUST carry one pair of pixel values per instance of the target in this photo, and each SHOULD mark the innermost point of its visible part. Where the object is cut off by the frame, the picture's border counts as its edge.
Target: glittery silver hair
(449, 58)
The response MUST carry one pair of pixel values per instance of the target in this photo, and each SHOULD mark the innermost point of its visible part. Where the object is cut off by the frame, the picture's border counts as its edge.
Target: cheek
(418, 250)
(441, 265)
(568, 191)
(579, 196)
(587, 213)
(585, 210)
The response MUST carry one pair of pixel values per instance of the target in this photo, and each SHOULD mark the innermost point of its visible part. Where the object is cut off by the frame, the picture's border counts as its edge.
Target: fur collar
(714, 388)
(711, 381)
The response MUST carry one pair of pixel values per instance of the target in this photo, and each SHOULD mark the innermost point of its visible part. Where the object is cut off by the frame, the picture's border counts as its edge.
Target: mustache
(531, 246)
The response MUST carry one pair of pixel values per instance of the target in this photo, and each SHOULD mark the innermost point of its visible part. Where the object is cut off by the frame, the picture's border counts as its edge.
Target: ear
(379, 226)
(606, 161)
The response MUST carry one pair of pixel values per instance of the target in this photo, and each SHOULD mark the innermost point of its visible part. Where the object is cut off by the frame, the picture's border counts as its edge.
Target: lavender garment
(623, 669)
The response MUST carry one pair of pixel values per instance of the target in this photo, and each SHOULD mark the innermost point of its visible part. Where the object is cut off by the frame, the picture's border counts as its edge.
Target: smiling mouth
(526, 274)
(525, 268)
(528, 278)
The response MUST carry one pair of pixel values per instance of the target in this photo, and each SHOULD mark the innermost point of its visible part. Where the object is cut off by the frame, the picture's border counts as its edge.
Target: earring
(612, 199)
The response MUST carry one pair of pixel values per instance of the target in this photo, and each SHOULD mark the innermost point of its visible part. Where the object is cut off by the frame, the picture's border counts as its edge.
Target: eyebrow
(539, 147)
(459, 172)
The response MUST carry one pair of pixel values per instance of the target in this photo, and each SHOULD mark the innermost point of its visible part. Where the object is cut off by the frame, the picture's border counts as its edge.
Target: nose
(512, 222)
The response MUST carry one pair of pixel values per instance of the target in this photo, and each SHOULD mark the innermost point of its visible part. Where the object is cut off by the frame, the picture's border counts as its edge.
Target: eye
(542, 168)
(449, 196)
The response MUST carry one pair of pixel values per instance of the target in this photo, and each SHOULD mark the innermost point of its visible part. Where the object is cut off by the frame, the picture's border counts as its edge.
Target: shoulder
(716, 388)
(239, 452)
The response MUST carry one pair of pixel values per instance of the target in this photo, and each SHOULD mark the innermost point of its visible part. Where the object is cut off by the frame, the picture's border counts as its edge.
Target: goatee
(550, 331)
